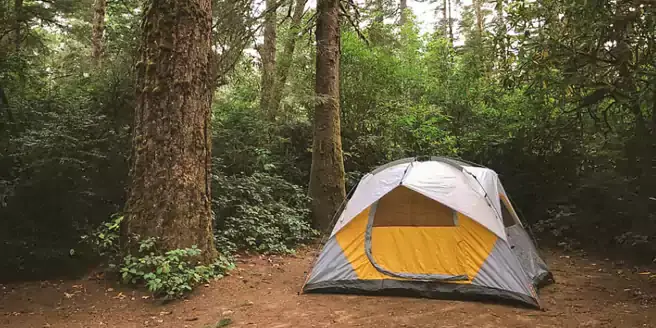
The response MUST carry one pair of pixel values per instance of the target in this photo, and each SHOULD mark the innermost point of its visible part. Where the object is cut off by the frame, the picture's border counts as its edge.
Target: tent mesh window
(403, 207)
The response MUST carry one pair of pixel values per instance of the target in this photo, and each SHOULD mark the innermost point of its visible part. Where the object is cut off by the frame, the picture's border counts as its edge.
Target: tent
(438, 228)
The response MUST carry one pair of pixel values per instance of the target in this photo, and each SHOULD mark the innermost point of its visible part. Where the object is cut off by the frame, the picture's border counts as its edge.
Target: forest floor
(263, 292)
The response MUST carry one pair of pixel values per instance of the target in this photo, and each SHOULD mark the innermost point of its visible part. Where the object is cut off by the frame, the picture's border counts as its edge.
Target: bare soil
(263, 292)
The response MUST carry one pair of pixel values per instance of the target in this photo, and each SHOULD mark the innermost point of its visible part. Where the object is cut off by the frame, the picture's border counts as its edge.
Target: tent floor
(423, 289)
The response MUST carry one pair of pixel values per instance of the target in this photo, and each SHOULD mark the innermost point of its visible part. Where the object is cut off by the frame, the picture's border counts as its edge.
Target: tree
(445, 23)
(169, 196)
(285, 61)
(327, 173)
(18, 21)
(480, 19)
(98, 29)
(403, 6)
(268, 56)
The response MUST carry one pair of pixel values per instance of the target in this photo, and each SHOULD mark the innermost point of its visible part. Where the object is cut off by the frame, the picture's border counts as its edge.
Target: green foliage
(259, 212)
(223, 323)
(104, 240)
(171, 274)
(62, 158)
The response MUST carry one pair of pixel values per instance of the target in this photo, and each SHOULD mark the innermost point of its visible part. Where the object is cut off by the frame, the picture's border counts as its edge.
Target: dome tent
(437, 228)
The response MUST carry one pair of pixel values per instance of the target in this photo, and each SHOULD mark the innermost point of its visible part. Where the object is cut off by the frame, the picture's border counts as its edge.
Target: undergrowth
(260, 212)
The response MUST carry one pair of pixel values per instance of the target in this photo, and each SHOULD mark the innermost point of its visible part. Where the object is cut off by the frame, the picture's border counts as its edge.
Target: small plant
(170, 275)
(104, 241)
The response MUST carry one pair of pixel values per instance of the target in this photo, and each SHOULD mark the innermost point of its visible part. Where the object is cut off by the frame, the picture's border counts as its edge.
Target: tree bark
(447, 18)
(18, 21)
(287, 56)
(403, 6)
(268, 56)
(98, 29)
(478, 10)
(169, 196)
(502, 33)
(450, 22)
(327, 173)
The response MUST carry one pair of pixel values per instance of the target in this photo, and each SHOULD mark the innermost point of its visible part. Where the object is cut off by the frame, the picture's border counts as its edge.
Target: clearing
(263, 292)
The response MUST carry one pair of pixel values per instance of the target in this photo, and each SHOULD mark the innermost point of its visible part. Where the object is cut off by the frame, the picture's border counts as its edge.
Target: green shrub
(104, 241)
(260, 212)
(172, 274)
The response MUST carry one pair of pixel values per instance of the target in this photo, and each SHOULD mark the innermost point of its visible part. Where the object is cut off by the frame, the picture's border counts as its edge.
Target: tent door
(409, 236)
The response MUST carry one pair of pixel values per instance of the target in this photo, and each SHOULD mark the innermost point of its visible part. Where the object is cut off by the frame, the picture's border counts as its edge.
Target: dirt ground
(263, 292)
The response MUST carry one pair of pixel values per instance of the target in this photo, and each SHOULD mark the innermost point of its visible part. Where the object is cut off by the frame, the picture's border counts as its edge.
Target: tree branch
(353, 23)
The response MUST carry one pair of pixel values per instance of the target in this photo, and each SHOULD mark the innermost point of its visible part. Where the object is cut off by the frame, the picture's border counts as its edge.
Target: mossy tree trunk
(169, 196)
(327, 174)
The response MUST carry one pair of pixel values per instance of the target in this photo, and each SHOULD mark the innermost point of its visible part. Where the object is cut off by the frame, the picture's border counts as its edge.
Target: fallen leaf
(165, 312)
(645, 273)
(110, 289)
(68, 295)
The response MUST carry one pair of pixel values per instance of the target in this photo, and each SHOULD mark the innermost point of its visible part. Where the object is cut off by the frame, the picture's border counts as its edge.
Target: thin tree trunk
(450, 22)
(403, 6)
(98, 29)
(18, 21)
(169, 196)
(501, 34)
(478, 10)
(287, 56)
(447, 17)
(327, 173)
(268, 56)
(380, 12)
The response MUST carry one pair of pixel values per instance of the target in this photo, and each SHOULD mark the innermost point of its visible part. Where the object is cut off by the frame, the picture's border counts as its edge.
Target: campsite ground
(262, 292)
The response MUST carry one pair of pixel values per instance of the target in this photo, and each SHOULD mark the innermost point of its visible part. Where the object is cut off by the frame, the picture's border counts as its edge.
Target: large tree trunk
(98, 29)
(403, 6)
(268, 56)
(287, 56)
(18, 22)
(170, 192)
(327, 174)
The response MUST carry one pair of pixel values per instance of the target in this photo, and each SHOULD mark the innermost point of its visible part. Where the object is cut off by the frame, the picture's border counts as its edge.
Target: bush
(172, 274)
(260, 212)
(104, 241)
